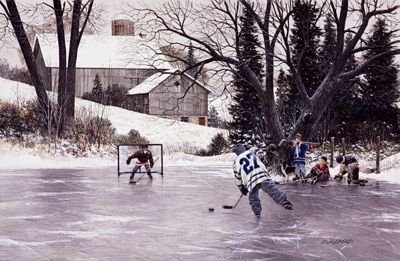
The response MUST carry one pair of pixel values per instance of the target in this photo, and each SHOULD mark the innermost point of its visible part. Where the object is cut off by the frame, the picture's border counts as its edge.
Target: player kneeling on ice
(251, 175)
(320, 172)
(348, 165)
(144, 158)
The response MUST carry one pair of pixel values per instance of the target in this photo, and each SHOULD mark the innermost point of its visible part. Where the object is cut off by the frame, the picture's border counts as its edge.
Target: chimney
(122, 27)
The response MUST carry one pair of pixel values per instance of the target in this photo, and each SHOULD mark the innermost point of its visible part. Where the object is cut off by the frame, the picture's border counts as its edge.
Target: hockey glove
(243, 189)
(128, 161)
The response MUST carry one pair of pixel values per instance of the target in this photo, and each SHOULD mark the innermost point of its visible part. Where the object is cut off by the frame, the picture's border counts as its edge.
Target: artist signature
(337, 241)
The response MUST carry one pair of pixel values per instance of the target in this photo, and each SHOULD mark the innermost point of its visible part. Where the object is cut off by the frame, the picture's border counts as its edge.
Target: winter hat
(324, 158)
(299, 135)
(239, 149)
(339, 159)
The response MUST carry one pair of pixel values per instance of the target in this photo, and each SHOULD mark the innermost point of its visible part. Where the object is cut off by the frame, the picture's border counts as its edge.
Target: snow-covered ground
(173, 134)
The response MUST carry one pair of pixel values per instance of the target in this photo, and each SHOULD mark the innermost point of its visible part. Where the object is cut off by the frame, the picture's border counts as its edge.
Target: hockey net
(125, 150)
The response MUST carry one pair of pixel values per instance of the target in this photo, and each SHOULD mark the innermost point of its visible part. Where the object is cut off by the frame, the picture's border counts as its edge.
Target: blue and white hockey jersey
(249, 170)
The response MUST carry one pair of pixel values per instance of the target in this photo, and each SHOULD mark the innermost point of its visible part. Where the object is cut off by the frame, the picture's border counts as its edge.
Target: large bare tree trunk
(72, 57)
(62, 62)
(76, 35)
(20, 34)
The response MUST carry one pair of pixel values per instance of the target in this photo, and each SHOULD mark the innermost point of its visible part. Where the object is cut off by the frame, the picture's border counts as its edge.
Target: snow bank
(173, 134)
(15, 157)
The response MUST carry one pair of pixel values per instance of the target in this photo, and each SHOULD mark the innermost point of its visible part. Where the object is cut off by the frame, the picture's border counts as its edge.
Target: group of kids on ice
(251, 174)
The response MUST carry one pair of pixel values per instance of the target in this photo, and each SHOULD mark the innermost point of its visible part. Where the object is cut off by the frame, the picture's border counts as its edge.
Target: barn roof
(106, 51)
(156, 79)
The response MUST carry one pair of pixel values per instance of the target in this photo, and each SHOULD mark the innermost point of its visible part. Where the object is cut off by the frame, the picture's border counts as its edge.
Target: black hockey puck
(210, 209)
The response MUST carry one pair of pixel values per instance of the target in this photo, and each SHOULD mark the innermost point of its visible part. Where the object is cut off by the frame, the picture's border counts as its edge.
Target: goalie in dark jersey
(143, 157)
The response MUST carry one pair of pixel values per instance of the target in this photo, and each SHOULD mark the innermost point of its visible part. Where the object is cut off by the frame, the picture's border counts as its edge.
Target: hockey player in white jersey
(251, 176)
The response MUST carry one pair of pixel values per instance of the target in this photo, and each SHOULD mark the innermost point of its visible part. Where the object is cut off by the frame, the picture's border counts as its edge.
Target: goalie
(144, 158)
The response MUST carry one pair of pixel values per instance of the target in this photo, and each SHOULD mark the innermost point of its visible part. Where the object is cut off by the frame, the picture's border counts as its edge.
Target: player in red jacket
(320, 172)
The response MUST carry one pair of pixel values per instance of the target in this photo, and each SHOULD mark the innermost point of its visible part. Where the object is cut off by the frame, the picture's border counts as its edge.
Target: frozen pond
(90, 215)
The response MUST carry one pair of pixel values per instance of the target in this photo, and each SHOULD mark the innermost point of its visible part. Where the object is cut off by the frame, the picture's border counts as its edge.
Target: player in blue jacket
(299, 149)
(251, 176)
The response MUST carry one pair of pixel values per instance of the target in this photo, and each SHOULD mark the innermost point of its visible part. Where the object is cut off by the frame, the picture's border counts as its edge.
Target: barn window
(119, 29)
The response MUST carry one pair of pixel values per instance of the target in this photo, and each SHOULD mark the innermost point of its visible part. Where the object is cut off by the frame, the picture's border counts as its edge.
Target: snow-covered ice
(90, 214)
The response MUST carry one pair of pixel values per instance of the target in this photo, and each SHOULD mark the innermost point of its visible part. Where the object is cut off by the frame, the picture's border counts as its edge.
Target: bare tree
(81, 13)
(12, 14)
(66, 74)
(213, 29)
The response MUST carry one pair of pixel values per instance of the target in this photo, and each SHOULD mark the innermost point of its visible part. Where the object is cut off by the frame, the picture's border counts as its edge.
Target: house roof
(106, 51)
(156, 79)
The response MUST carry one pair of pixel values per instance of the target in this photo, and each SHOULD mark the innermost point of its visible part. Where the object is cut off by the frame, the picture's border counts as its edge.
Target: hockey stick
(234, 206)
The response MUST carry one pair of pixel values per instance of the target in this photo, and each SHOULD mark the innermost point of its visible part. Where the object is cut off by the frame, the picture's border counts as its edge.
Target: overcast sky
(112, 9)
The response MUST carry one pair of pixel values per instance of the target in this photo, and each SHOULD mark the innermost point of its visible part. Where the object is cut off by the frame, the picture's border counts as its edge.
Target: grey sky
(112, 9)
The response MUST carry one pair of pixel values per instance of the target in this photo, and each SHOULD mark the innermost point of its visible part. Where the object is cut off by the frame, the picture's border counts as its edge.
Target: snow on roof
(154, 80)
(150, 83)
(106, 51)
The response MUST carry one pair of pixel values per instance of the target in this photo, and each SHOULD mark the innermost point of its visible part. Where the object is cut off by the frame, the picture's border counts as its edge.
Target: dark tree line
(365, 107)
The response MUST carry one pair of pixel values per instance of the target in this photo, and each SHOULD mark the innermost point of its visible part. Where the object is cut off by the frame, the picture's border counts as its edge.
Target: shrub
(87, 96)
(10, 120)
(116, 95)
(14, 73)
(217, 146)
(91, 129)
(133, 137)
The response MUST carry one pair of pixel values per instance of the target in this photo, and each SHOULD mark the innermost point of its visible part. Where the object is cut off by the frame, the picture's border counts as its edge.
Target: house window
(185, 119)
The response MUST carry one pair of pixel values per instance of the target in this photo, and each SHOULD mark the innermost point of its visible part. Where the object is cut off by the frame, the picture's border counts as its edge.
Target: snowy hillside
(174, 135)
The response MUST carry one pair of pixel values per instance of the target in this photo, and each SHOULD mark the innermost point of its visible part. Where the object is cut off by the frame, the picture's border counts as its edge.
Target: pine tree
(97, 90)
(379, 92)
(191, 60)
(285, 95)
(304, 41)
(214, 119)
(326, 56)
(247, 123)
(328, 47)
(346, 104)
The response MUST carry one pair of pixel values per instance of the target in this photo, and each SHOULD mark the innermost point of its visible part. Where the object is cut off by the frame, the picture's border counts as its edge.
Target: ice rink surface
(91, 215)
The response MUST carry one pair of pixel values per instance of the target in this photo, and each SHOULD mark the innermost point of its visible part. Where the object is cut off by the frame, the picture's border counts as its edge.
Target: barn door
(202, 121)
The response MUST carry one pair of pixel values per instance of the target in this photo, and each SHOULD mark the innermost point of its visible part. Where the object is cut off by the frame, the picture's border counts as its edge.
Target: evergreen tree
(305, 41)
(379, 92)
(247, 124)
(97, 90)
(191, 60)
(214, 119)
(286, 109)
(346, 104)
(328, 47)
(326, 56)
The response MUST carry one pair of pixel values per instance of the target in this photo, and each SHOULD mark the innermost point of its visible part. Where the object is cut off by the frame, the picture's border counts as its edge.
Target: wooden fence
(343, 151)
